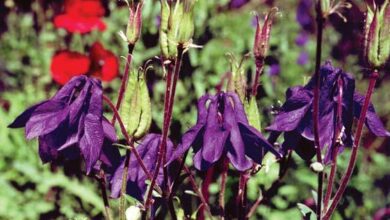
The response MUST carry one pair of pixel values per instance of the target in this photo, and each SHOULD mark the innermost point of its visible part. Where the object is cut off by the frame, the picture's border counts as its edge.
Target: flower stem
(102, 184)
(320, 24)
(259, 69)
(351, 165)
(125, 78)
(173, 73)
(241, 195)
(335, 143)
(122, 201)
(197, 191)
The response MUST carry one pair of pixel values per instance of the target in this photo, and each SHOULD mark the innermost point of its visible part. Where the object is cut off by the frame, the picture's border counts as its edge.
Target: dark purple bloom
(136, 178)
(295, 116)
(223, 129)
(274, 69)
(237, 3)
(70, 123)
(304, 15)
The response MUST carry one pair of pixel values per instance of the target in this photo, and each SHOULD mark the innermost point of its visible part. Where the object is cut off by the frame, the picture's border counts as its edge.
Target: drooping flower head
(223, 129)
(81, 16)
(295, 117)
(136, 177)
(70, 124)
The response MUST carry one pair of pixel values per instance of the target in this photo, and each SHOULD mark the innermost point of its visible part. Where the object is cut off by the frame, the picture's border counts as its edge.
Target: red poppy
(104, 63)
(66, 64)
(81, 16)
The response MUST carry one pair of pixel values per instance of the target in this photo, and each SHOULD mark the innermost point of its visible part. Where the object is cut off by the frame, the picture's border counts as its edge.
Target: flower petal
(22, 119)
(373, 122)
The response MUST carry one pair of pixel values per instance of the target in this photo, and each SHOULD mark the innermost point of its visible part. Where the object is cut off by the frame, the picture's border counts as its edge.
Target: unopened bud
(136, 109)
(377, 34)
(177, 26)
(260, 47)
(134, 25)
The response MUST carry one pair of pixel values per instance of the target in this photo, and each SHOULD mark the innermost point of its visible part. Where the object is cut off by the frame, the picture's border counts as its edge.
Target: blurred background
(30, 41)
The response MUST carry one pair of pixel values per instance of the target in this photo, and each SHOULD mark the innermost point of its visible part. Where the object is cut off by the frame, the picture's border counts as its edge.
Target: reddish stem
(351, 165)
(320, 24)
(259, 69)
(168, 107)
(221, 200)
(125, 78)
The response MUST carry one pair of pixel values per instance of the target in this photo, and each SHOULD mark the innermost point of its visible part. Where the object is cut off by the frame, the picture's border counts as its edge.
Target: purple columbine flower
(70, 123)
(295, 116)
(223, 129)
(304, 16)
(136, 178)
(303, 58)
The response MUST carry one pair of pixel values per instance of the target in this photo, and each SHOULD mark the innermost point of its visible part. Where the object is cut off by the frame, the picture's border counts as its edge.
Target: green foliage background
(31, 190)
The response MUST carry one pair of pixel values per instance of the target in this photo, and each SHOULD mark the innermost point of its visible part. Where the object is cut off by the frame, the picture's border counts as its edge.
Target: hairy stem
(125, 78)
(320, 24)
(241, 195)
(122, 201)
(351, 165)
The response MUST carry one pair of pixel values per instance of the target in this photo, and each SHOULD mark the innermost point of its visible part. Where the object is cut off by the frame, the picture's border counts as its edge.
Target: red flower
(81, 16)
(104, 63)
(66, 64)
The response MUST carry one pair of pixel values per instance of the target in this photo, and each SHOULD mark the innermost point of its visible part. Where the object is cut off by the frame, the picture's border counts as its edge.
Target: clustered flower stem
(320, 24)
(122, 202)
(173, 71)
(351, 165)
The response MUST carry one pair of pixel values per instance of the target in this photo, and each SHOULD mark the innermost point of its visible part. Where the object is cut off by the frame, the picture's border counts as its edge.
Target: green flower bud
(377, 34)
(186, 30)
(136, 109)
(176, 26)
(134, 25)
(252, 112)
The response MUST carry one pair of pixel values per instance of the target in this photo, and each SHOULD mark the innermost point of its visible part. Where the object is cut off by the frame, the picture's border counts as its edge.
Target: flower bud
(177, 26)
(133, 213)
(136, 109)
(260, 47)
(377, 34)
(134, 25)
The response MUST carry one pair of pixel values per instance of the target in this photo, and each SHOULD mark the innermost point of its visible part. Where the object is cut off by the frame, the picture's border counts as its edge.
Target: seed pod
(186, 30)
(165, 12)
(377, 34)
(262, 35)
(252, 112)
(237, 82)
(136, 108)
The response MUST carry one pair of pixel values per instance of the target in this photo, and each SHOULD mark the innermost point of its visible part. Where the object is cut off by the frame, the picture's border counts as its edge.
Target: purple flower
(303, 58)
(274, 69)
(304, 16)
(136, 178)
(223, 129)
(295, 116)
(302, 38)
(237, 3)
(70, 123)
